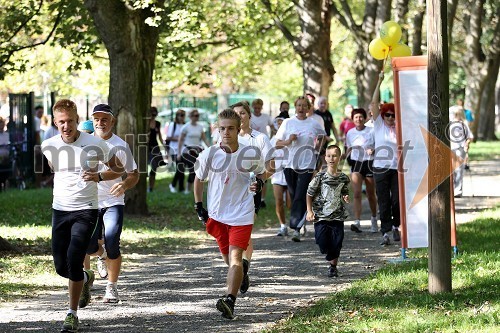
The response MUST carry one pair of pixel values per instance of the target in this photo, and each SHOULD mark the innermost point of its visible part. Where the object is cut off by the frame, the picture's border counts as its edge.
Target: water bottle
(253, 179)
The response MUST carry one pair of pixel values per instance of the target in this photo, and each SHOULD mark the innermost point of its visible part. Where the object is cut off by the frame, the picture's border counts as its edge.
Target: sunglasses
(181, 115)
(389, 115)
(195, 115)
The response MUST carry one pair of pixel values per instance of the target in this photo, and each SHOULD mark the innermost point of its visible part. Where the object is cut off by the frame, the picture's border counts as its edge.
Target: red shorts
(226, 235)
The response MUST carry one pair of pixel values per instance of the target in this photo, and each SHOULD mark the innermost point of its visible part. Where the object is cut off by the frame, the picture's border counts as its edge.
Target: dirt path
(177, 293)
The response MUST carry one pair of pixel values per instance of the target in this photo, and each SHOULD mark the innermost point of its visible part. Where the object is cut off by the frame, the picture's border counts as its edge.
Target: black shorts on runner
(365, 168)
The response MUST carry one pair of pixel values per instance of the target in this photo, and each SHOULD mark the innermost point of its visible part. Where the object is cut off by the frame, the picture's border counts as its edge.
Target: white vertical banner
(413, 118)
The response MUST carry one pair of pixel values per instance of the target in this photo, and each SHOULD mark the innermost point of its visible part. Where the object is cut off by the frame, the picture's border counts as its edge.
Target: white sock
(357, 222)
(73, 312)
(112, 283)
(283, 226)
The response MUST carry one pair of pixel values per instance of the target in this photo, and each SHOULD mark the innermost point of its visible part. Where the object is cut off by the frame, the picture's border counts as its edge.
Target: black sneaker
(395, 235)
(263, 204)
(385, 240)
(226, 306)
(332, 271)
(355, 228)
(246, 280)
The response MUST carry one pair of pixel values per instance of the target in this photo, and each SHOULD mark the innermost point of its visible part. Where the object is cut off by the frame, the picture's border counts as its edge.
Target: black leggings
(297, 182)
(71, 233)
(188, 158)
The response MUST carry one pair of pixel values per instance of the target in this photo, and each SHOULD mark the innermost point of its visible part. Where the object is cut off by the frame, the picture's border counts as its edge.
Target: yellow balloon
(390, 33)
(400, 50)
(378, 49)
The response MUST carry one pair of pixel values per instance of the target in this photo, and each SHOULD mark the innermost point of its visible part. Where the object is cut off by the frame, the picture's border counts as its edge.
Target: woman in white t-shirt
(385, 165)
(281, 195)
(359, 144)
(302, 137)
(460, 138)
(173, 135)
(190, 146)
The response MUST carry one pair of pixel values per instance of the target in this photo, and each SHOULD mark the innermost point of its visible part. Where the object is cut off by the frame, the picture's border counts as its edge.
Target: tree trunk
(486, 126)
(418, 20)
(314, 46)
(131, 46)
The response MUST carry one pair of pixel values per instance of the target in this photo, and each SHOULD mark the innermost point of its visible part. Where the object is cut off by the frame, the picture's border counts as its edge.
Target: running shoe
(111, 295)
(226, 306)
(332, 271)
(172, 189)
(296, 236)
(102, 268)
(385, 240)
(283, 231)
(374, 227)
(246, 280)
(85, 295)
(70, 323)
(356, 228)
(395, 235)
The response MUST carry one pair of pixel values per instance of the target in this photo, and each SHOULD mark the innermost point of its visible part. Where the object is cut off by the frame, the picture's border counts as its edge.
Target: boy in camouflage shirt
(326, 195)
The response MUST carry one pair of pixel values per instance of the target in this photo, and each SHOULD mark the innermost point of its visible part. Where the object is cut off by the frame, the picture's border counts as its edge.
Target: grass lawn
(395, 298)
(482, 150)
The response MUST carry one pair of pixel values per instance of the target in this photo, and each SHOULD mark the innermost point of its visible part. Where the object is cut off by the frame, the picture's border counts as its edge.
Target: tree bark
(486, 126)
(131, 46)
(313, 43)
(314, 47)
(418, 20)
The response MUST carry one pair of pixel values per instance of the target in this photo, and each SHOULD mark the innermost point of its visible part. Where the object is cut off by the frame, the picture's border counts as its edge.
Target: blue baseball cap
(104, 108)
(87, 126)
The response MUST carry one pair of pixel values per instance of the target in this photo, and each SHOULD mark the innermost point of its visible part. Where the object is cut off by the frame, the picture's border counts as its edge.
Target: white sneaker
(374, 227)
(186, 192)
(283, 231)
(102, 268)
(172, 189)
(111, 295)
(296, 236)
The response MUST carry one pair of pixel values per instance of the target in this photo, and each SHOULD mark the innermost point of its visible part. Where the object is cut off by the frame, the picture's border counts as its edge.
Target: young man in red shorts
(228, 168)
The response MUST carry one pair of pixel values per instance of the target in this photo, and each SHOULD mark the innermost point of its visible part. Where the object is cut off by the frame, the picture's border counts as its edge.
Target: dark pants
(111, 220)
(297, 182)
(386, 183)
(329, 236)
(188, 157)
(71, 233)
(178, 176)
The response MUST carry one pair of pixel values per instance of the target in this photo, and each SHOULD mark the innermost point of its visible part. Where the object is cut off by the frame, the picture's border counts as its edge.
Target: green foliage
(395, 298)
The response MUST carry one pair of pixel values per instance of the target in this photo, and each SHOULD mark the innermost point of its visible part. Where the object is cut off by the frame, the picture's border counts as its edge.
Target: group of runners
(93, 171)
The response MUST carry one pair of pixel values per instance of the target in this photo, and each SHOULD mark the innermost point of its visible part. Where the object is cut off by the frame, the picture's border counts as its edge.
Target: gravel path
(177, 293)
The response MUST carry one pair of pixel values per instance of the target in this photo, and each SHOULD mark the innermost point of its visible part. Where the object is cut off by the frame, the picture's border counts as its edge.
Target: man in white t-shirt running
(111, 202)
(228, 170)
(74, 156)
(260, 121)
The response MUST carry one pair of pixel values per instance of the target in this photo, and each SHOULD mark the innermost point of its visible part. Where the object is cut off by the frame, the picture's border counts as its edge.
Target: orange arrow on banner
(442, 169)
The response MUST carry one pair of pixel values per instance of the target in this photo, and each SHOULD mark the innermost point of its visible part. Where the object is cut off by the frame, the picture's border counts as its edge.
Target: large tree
(476, 48)
(312, 43)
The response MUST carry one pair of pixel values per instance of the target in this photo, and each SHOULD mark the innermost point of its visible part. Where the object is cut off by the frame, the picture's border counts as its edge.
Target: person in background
(155, 157)
(5, 165)
(281, 195)
(469, 120)
(190, 146)
(327, 116)
(310, 112)
(86, 126)
(359, 145)
(37, 121)
(173, 136)
(346, 125)
(460, 139)
(326, 195)
(260, 121)
(284, 109)
(303, 137)
(385, 165)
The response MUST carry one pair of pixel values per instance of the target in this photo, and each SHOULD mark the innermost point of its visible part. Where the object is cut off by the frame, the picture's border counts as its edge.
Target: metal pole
(439, 153)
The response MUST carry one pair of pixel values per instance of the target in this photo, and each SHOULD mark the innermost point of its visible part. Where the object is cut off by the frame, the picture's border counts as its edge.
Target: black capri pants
(71, 233)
